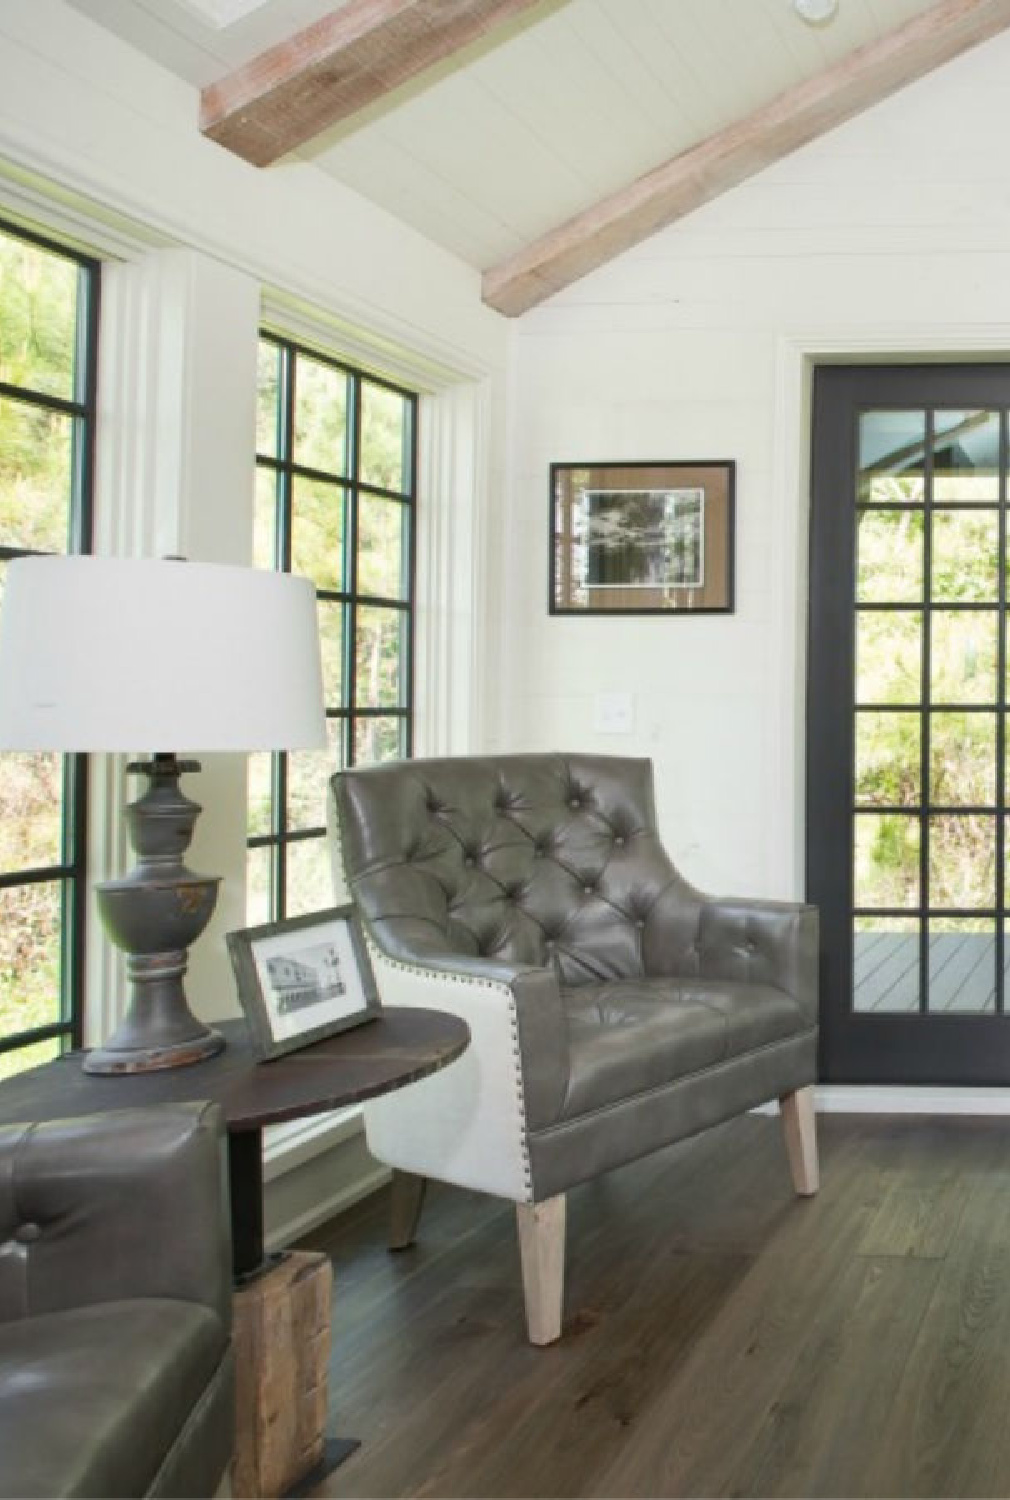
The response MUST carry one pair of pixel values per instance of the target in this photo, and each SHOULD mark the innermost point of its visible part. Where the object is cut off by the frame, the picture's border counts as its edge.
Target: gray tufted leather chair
(613, 1008)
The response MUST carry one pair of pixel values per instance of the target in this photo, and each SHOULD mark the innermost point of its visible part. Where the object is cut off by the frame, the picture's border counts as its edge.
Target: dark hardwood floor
(721, 1336)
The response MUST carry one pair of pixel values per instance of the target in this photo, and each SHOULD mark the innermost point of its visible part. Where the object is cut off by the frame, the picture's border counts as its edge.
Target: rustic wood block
(282, 1350)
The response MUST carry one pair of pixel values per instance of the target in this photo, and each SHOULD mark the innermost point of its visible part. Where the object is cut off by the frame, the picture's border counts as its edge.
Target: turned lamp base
(154, 913)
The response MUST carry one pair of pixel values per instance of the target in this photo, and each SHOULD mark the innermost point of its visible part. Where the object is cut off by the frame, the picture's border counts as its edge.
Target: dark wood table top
(400, 1046)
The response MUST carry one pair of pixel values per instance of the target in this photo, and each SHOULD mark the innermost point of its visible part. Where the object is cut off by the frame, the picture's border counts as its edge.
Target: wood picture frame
(303, 979)
(642, 538)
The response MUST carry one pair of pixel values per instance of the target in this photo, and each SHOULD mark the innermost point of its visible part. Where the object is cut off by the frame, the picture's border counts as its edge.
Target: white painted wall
(891, 234)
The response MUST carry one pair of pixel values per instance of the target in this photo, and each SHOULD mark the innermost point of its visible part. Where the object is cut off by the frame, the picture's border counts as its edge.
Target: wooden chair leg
(406, 1201)
(799, 1122)
(542, 1253)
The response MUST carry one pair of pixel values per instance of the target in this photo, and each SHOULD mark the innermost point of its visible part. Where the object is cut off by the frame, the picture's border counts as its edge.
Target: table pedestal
(282, 1350)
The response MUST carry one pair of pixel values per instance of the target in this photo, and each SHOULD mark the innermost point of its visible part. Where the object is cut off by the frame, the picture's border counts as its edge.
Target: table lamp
(114, 654)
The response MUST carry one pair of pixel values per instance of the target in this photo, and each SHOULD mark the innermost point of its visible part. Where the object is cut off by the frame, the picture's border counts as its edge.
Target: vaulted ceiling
(540, 136)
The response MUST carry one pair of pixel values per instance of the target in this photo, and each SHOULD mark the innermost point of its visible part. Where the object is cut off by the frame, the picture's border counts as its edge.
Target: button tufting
(575, 802)
(620, 841)
(469, 861)
(588, 890)
(25, 1234)
(640, 922)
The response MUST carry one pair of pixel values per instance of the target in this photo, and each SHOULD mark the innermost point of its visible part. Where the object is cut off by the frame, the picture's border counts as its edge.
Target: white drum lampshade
(112, 654)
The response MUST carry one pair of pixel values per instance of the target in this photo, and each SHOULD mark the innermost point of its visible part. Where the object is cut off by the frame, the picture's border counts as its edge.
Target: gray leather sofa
(115, 1306)
(613, 1008)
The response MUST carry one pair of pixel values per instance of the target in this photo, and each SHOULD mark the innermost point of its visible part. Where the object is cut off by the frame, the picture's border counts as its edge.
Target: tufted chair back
(528, 859)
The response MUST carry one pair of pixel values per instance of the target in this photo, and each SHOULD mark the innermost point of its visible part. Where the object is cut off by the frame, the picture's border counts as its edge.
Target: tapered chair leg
(542, 1253)
(406, 1202)
(799, 1122)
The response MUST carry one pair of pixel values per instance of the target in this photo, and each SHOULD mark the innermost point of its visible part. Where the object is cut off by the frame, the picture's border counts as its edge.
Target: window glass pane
(20, 1059)
(892, 446)
(888, 656)
(962, 965)
(383, 556)
(35, 470)
(260, 791)
(886, 860)
(268, 391)
(888, 750)
(259, 901)
(381, 666)
(885, 964)
(309, 773)
(962, 759)
(317, 533)
(320, 416)
(965, 554)
(265, 549)
(962, 861)
(310, 878)
(31, 921)
(965, 456)
(331, 643)
(38, 317)
(31, 811)
(963, 656)
(385, 438)
(379, 739)
(890, 555)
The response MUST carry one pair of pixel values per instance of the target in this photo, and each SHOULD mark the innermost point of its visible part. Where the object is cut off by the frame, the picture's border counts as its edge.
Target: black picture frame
(303, 979)
(642, 537)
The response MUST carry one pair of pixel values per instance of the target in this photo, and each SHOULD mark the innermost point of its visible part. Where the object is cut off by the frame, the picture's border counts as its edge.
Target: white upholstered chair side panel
(466, 1124)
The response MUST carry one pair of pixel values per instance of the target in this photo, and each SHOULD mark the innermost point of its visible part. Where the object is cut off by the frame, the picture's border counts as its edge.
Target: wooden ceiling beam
(684, 183)
(338, 66)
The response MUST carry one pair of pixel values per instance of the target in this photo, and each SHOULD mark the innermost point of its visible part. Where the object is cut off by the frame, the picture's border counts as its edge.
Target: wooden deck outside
(962, 972)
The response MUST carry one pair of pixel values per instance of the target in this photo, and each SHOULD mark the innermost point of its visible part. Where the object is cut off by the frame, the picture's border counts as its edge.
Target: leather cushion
(91, 1400)
(629, 1036)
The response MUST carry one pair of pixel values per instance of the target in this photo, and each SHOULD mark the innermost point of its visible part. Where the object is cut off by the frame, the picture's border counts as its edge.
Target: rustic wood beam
(338, 66)
(685, 182)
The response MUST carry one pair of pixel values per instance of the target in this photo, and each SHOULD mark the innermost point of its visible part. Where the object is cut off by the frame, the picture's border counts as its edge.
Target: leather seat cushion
(91, 1400)
(631, 1035)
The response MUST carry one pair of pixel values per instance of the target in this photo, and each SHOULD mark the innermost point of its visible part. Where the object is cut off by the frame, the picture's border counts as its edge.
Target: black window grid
(925, 706)
(71, 871)
(286, 470)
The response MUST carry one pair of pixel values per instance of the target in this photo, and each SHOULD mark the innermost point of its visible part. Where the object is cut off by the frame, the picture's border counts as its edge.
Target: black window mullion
(1001, 666)
(924, 712)
(351, 612)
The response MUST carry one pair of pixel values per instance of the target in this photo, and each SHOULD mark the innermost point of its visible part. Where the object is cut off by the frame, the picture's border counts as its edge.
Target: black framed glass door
(907, 776)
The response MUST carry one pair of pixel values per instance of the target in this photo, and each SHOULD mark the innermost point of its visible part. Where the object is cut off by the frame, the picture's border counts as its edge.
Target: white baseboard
(927, 1099)
(289, 1229)
(895, 1099)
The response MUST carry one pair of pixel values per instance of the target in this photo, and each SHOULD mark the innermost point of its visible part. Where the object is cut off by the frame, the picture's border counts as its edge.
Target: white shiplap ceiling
(524, 129)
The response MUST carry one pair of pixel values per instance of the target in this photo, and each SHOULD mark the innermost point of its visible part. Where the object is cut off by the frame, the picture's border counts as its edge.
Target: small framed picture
(303, 979)
(642, 538)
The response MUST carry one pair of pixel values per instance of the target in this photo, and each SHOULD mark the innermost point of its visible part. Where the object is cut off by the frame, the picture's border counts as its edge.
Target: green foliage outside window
(45, 406)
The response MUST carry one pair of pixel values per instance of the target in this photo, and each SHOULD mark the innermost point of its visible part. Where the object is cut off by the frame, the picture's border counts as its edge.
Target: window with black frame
(335, 501)
(48, 347)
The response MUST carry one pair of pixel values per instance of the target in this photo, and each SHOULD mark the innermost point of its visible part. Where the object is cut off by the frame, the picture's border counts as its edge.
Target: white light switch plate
(613, 713)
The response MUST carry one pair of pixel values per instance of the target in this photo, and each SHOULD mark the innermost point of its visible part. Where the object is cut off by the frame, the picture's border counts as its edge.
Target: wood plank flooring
(721, 1336)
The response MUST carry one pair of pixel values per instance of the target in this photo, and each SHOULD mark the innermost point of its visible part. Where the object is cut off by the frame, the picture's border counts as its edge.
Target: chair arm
(763, 942)
(115, 1206)
(541, 1036)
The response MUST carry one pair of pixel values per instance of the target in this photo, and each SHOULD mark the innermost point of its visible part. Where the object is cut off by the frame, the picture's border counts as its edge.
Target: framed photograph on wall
(642, 538)
(303, 979)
